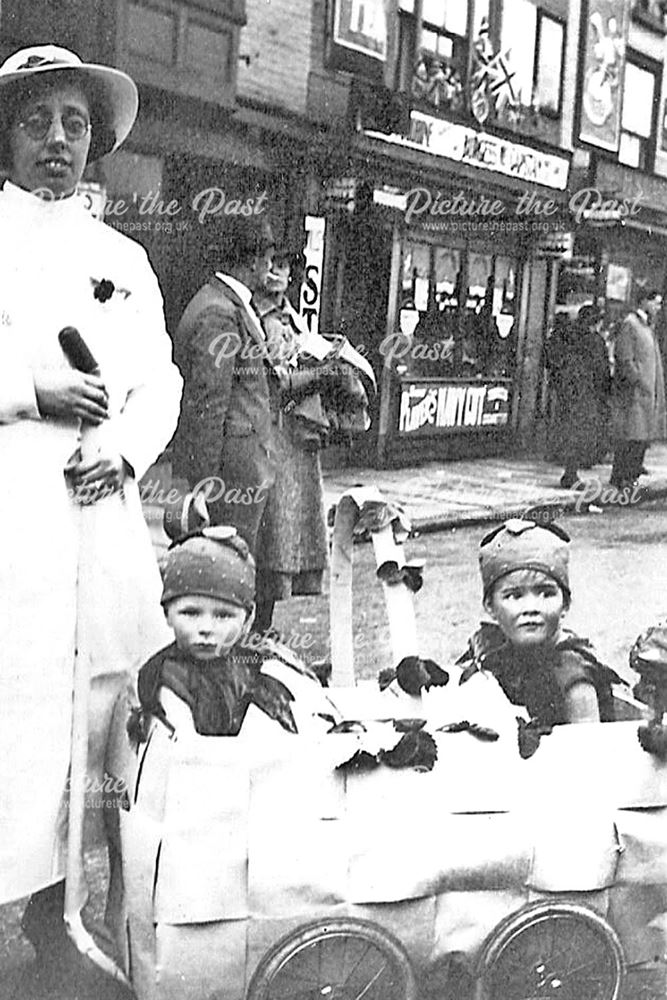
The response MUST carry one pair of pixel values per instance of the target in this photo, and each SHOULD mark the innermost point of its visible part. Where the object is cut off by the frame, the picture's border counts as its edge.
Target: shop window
(457, 312)
(434, 72)
(638, 117)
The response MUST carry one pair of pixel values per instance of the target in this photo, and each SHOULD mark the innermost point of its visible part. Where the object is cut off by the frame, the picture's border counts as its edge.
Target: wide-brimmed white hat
(118, 90)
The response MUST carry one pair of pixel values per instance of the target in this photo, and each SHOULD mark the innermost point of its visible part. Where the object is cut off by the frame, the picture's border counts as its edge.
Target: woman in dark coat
(308, 395)
(583, 388)
(292, 549)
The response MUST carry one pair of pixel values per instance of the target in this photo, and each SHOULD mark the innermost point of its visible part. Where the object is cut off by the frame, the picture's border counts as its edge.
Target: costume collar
(642, 315)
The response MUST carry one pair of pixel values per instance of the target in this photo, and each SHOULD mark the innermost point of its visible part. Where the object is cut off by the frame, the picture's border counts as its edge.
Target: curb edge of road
(477, 518)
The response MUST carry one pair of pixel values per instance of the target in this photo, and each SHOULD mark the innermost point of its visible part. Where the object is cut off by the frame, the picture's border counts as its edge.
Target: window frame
(655, 68)
(407, 28)
(562, 22)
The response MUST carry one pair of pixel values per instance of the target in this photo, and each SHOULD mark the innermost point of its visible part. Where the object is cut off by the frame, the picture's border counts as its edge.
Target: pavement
(442, 495)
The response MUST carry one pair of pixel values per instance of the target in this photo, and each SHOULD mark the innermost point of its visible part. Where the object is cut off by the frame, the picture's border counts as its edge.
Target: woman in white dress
(73, 576)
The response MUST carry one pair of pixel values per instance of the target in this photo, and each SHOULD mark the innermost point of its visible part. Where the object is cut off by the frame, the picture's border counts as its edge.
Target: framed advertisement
(604, 39)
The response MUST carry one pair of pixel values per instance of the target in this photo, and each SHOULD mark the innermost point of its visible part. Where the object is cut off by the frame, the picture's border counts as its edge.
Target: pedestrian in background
(583, 389)
(224, 434)
(556, 351)
(61, 505)
(638, 390)
(292, 554)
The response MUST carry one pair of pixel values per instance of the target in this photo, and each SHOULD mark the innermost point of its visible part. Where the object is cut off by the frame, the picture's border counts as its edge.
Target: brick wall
(277, 40)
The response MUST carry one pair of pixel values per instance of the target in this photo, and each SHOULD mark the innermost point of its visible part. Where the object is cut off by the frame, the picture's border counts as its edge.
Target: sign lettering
(428, 409)
(490, 152)
(311, 286)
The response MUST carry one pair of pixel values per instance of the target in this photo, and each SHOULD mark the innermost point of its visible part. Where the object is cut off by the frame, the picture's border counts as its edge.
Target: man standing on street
(638, 391)
(224, 434)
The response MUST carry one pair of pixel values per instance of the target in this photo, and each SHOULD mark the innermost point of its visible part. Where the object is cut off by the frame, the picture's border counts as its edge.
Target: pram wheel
(559, 950)
(338, 959)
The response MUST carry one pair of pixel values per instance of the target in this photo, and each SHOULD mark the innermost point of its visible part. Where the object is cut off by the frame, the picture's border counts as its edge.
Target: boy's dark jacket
(540, 680)
(218, 692)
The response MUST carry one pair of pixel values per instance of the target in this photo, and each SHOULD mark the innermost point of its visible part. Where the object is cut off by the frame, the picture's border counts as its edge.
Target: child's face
(205, 627)
(528, 606)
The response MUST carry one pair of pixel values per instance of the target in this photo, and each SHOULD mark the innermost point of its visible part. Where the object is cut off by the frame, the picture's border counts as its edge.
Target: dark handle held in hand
(77, 351)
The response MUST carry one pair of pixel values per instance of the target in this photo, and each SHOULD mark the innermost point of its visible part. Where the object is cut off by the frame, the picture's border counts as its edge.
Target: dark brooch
(103, 290)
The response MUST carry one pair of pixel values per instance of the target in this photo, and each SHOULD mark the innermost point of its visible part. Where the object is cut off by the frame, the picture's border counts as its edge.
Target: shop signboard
(480, 149)
(453, 406)
(557, 244)
(340, 193)
(361, 25)
(606, 32)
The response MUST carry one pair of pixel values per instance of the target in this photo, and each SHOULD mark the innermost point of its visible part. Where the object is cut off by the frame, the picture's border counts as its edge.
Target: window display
(457, 312)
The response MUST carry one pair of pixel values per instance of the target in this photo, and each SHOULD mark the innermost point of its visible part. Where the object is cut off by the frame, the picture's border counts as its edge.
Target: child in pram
(213, 674)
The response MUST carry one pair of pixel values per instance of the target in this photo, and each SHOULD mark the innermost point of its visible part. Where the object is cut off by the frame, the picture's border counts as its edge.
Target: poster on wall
(605, 39)
(618, 282)
(361, 25)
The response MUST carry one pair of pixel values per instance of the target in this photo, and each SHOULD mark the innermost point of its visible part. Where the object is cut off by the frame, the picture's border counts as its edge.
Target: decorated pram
(258, 868)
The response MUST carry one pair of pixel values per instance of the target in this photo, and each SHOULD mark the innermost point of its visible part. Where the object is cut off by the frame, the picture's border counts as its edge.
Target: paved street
(619, 583)
(619, 586)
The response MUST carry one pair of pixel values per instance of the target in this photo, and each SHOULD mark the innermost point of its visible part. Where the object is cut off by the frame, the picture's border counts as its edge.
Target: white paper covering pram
(229, 843)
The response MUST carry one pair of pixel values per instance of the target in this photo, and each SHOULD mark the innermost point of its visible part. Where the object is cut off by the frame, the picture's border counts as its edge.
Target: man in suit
(224, 434)
(638, 390)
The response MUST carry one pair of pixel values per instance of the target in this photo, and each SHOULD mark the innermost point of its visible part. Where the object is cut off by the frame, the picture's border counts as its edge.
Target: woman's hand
(69, 393)
(95, 479)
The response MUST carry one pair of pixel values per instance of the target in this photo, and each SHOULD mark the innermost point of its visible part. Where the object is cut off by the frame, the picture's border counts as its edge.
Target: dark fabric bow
(411, 574)
(414, 674)
(529, 735)
(653, 739)
(414, 749)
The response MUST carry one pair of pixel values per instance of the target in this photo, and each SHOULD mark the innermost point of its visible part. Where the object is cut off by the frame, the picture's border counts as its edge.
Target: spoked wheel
(558, 950)
(337, 959)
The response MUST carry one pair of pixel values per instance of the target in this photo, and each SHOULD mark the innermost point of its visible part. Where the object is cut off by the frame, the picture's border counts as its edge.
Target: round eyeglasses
(38, 125)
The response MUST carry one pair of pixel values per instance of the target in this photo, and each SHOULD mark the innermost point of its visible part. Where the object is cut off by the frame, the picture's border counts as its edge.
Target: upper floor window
(433, 55)
(534, 42)
(639, 114)
(549, 56)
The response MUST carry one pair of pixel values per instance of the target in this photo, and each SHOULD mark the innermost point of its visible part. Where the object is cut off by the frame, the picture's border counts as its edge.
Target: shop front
(449, 295)
(453, 357)
(620, 245)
